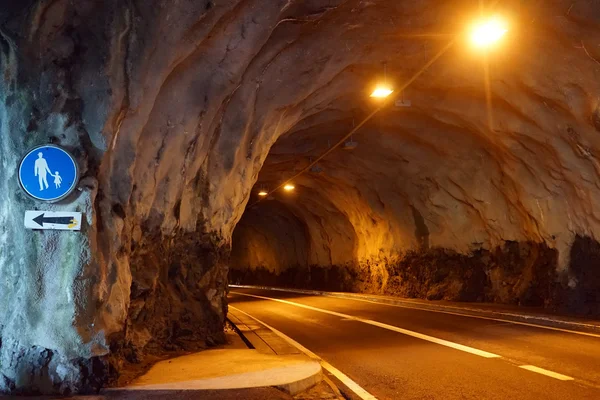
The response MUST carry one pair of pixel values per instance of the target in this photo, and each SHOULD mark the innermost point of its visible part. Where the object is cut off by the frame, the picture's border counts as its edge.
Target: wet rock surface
(175, 110)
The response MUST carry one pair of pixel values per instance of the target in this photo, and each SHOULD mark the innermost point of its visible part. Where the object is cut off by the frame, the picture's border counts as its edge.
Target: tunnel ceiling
(179, 111)
(453, 170)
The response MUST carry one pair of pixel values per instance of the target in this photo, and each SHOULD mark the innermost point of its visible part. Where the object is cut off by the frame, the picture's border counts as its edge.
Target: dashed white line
(546, 372)
(355, 387)
(417, 335)
(506, 321)
(417, 304)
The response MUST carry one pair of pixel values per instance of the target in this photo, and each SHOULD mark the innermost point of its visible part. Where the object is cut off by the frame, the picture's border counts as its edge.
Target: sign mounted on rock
(57, 220)
(48, 173)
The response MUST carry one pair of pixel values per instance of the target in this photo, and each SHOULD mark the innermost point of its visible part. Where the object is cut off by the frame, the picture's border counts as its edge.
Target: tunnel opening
(269, 246)
(278, 245)
(398, 214)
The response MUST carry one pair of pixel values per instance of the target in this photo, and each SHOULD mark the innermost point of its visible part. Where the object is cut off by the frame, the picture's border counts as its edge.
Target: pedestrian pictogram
(48, 173)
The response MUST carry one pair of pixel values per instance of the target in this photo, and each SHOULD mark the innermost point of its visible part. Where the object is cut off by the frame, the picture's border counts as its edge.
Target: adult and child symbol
(41, 169)
(48, 173)
(39, 165)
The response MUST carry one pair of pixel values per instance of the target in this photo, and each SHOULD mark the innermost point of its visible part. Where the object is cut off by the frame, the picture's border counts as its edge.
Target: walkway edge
(520, 318)
(353, 386)
(241, 334)
(292, 388)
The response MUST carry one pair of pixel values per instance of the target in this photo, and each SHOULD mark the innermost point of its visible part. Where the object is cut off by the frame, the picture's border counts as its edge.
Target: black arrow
(53, 220)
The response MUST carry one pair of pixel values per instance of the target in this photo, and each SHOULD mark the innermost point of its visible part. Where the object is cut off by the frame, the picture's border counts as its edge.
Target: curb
(541, 320)
(240, 333)
(271, 346)
(297, 387)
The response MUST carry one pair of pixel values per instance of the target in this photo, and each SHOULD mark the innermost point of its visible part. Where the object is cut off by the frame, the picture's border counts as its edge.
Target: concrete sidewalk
(268, 342)
(221, 372)
(233, 394)
(231, 369)
(234, 372)
(259, 337)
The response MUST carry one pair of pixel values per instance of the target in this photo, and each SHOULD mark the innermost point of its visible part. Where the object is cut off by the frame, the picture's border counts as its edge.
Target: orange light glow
(382, 92)
(263, 193)
(488, 32)
(289, 187)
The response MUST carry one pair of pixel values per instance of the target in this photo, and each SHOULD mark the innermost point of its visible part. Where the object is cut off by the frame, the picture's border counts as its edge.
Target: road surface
(393, 352)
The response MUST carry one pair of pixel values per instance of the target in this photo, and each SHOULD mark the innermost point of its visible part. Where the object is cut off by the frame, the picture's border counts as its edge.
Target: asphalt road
(402, 353)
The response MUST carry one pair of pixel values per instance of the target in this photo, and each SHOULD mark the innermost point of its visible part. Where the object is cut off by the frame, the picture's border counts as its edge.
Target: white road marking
(417, 335)
(543, 371)
(508, 321)
(355, 387)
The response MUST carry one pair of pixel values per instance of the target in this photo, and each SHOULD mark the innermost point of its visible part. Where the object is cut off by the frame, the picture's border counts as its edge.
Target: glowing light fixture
(263, 193)
(289, 187)
(381, 92)
(489, 32)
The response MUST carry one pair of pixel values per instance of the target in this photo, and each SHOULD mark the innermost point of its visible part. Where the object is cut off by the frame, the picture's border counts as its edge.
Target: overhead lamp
(381, 92)
(263, 193)
(488, 32)
(289, 187)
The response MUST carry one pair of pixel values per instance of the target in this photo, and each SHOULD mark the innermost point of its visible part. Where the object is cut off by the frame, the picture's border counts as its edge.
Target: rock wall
(172, 109)
(516, 273)
(270, 239)
(483, 189)
(520, 273)
(48, 338)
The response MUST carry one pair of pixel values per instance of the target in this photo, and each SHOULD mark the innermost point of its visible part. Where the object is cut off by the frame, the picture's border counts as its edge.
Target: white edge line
(546, 372)
(355, 387)
(417, 335)
(508, 321)
(335, 295)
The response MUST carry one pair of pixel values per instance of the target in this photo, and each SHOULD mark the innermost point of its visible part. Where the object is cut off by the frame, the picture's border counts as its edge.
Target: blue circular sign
(48, 173)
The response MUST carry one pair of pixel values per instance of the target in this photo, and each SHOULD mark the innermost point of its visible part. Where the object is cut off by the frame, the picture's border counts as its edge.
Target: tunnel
(239, 142)
(384, 216)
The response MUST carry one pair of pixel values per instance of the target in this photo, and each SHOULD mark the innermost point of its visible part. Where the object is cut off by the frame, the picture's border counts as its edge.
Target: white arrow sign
(57, 220)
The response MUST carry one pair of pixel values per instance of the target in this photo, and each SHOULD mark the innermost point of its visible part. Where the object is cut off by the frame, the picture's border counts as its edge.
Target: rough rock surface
(456, 197)
(172, 108)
